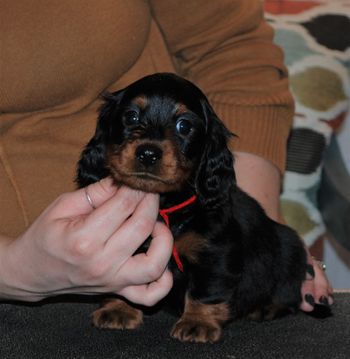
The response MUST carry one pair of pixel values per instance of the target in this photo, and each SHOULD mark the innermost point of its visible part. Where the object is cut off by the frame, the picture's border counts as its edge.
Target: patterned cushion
(315, 38)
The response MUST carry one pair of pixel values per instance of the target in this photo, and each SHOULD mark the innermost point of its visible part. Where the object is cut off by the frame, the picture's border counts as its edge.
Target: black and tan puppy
(160, 134)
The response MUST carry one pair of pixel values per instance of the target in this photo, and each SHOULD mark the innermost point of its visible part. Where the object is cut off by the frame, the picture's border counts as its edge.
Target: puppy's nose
(148, 155)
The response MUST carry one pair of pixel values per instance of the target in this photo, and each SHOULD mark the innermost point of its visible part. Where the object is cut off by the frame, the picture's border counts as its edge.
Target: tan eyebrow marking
(141, 101)
(181, 108)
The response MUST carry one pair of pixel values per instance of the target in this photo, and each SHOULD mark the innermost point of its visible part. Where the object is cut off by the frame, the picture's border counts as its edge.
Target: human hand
(73, 249)
(316, 289)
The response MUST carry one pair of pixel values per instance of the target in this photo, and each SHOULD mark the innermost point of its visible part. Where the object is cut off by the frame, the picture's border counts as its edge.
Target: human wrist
(12, 282)
(5, 287)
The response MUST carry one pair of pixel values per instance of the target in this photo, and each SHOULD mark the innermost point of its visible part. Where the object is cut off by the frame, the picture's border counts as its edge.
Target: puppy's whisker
(191, 184)
(147, 174)
(169, 166)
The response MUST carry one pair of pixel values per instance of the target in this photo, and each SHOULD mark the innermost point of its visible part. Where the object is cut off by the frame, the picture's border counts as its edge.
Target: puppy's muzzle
(148, 155)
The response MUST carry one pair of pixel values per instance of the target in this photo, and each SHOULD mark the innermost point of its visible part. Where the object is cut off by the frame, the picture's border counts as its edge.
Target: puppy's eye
(131, 118)
(183, 127)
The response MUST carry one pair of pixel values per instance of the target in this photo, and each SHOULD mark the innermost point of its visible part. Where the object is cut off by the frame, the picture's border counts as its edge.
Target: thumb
(84, 200)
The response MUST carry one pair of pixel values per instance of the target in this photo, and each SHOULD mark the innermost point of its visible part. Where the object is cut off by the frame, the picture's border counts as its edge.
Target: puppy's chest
(188, 240)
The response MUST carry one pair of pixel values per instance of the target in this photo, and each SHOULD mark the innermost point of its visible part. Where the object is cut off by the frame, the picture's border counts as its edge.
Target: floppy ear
(215, 177)
(92, 163)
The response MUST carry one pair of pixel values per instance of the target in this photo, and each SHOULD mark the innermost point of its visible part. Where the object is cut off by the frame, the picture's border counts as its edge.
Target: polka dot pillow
(315, 37)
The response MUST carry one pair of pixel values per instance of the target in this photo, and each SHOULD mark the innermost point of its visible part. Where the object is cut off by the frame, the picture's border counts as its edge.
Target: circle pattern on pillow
(315, 38)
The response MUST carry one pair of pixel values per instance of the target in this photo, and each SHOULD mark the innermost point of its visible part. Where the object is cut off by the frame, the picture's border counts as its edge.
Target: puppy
(230, 260)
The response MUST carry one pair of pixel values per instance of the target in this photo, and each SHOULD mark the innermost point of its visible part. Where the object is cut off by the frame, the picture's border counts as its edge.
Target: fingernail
(310, 299)
(324, 301)
(310, 270)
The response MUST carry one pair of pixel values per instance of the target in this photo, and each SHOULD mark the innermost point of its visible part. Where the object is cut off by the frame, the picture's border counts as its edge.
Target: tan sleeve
(226, 48)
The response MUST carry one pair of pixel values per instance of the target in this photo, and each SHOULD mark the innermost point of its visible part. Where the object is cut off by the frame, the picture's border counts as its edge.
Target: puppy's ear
(215, 177)
(92, 164)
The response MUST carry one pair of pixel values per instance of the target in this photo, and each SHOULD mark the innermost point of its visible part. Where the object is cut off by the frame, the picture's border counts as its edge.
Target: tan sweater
(56, 58)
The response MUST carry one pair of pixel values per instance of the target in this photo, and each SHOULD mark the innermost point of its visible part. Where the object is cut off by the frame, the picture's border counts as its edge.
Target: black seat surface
(63, 330)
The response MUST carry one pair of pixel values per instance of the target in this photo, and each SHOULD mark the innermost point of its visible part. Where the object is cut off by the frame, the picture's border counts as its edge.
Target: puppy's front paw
(197, 331)
(116, 314)
(200, 322)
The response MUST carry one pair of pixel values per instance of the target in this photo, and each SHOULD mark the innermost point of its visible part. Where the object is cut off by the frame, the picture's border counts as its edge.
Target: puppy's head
(158, 135)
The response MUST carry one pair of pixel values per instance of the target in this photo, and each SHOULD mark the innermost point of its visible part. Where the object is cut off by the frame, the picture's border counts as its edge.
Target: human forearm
(261, 180)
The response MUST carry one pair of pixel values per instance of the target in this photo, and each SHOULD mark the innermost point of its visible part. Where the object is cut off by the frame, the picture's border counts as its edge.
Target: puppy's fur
(160, 134)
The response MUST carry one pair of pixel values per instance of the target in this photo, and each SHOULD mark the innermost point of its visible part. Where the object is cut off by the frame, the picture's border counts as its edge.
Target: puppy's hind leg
(269, 312)
(117, 314)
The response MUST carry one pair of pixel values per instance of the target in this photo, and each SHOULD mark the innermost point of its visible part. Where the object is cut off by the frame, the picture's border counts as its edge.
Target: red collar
(164, 213)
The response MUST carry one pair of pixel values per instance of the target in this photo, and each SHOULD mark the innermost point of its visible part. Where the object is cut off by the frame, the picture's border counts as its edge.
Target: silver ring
(89, 198)
(321, 264)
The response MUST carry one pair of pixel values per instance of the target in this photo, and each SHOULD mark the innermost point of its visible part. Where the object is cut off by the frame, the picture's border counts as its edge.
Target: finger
(308, 296)
(77, 202)
(322, 287)
(132, 233)
(111, 216)
(148, 267)
(316, 289)
(149, 294)
(331, 297)
(308, 288)
(330, 294)
(98, 193)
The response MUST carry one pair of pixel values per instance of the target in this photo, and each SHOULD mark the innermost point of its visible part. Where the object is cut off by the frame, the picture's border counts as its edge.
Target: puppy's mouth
(145, 181)
(147, 176)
